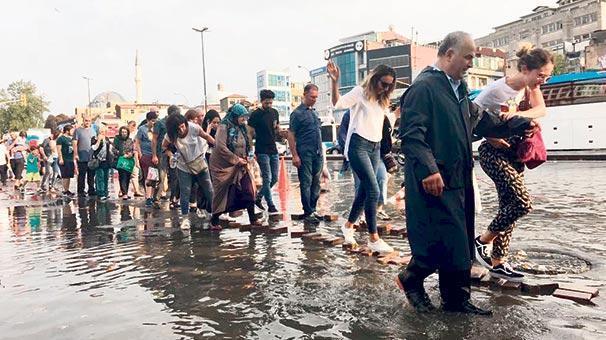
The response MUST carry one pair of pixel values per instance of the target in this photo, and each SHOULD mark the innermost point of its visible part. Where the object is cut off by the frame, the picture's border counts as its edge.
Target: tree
(559, 64)
(16, 115)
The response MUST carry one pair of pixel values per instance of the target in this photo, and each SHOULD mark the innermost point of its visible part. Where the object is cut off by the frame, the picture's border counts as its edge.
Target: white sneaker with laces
(348, 235)
(185, 223)
(379, 246)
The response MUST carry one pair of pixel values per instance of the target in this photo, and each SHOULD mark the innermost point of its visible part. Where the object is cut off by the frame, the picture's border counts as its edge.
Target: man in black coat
(438, 124)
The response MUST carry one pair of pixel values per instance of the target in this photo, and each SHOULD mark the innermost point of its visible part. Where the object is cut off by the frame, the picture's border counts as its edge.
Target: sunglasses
(385, 85)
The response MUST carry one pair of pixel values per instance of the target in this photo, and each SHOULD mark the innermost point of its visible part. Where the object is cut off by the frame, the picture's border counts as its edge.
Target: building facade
(320, 78)
(488, 65)
(230, 100)
(565, 28)
(279, 83)
(397, 57)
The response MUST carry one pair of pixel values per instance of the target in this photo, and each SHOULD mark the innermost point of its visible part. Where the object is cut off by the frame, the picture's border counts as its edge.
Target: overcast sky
(54, 43)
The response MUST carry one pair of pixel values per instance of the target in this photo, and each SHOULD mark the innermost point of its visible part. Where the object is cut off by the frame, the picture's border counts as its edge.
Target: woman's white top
(365, 116)
(498, 94)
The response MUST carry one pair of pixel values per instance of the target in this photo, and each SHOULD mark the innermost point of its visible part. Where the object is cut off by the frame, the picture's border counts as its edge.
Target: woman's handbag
(531, 150)
(196, 165)
(93, 164)
(390, 163)
(126, 164)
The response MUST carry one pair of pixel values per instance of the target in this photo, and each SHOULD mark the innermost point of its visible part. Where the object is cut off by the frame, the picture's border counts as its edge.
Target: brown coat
(224, 167)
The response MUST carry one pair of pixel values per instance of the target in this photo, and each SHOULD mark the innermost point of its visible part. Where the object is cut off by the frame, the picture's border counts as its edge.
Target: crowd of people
(201, 162)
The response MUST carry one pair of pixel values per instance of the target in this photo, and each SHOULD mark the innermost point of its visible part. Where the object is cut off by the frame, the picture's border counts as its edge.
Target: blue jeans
(269, 173)
(309, 179)
(186, 181)
(364, 158)
(382, 180)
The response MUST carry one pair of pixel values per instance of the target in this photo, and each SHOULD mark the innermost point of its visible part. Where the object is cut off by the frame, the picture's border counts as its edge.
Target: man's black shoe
(311, 219)
(419, 299)
(272, 209)
(466, 308)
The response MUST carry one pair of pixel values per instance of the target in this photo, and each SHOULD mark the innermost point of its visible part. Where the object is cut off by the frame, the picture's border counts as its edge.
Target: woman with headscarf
(189, 141)
(232, 181)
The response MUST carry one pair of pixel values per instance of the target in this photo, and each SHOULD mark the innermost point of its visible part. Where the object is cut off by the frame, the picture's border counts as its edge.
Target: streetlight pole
(88, 79)
(202, 30)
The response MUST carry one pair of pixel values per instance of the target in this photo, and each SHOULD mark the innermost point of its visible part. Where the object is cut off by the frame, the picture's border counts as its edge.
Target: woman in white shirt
(368, 104)
(518, 95)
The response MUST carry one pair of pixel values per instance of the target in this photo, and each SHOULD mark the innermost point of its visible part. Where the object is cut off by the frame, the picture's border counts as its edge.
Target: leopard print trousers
(514, 200)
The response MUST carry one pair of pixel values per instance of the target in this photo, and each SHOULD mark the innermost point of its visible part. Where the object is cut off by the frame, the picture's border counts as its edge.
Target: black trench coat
(437, 131)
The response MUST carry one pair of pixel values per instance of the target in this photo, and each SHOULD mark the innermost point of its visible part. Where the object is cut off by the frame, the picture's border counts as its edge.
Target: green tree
(559, 64)
(15, 115)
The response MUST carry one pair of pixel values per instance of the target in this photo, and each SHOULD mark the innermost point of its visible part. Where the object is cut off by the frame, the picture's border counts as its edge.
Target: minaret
(138, 85)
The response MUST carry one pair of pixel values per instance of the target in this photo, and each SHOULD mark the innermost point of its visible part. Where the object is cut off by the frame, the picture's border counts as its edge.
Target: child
(32, 167)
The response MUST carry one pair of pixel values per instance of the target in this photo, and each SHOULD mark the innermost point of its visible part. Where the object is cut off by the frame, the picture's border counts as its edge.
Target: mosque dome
(107, 98)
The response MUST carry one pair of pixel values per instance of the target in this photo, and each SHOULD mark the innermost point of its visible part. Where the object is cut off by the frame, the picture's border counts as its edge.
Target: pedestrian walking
(126, 159)
(82, 155)
(65, 152)
(143, 145)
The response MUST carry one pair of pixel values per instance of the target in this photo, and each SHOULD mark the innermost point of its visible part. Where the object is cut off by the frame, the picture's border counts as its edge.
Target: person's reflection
(19, 221)
(103, 214)
(35, 219)
(125, 214)
(69, 227)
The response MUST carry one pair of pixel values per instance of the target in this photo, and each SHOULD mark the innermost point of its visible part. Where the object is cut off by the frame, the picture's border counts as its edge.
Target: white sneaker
(348, 235)
(379, 246)
(185, 223)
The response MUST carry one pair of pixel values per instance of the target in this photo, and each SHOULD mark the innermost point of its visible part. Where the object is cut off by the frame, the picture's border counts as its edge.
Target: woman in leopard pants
(517, 95)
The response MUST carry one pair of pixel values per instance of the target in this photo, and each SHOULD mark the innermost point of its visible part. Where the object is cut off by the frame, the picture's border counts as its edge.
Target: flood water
(90, 270)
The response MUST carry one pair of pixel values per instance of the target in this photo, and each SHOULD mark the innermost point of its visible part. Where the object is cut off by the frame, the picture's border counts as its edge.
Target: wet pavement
(92, 270)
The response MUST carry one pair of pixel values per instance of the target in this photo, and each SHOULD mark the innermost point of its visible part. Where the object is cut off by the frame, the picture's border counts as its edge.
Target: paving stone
(477, 273)
(234, 225)
(321, 237)
(583, 298)
(539, 288)
(399, 260)
(298, 233)
(334, 241)
(578, 288)
(509, 285)
(277, 230)
(309, 235)
(331, 218)
(397, 231)
(384, 229)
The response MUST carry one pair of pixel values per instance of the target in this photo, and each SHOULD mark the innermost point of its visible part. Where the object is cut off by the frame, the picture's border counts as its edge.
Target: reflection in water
(88, 269)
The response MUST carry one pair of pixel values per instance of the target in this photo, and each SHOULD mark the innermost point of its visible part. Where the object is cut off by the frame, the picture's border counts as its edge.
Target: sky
(54, 43)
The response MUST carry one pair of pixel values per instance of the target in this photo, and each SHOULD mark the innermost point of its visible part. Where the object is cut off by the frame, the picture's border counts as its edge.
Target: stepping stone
(581, 289)
(245, 227)
(321, 237)
(234, 225)
(277, 230)
(391, 254)
(365, 251)
(477, 273)
(583, 298)
(399, 261)
(509, 285)
(331, 218)
(539, 288)
(309, 236)
(334, 241)
(298, 233)
(397, 231)
(384, 229)
(384, 258)
(351, 249)
(275, 217)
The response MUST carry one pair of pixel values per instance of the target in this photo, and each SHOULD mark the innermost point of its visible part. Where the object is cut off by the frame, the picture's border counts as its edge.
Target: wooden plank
(539, 288)
(509, 285)
(277, 230)
(298, 233)
(331, 218)
(334, 241)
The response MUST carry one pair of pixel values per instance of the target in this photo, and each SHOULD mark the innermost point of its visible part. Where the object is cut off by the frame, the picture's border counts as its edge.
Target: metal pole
(202, 30)
(204, 73)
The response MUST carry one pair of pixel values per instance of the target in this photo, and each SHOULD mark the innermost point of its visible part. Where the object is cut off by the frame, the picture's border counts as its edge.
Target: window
(347, 64)
(282, 96)
(277, 80)
(397, 61)
(585, 19)
(260, 81)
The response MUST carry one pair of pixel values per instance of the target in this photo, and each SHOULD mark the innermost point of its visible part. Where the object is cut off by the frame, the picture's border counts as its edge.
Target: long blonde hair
(371, 83)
